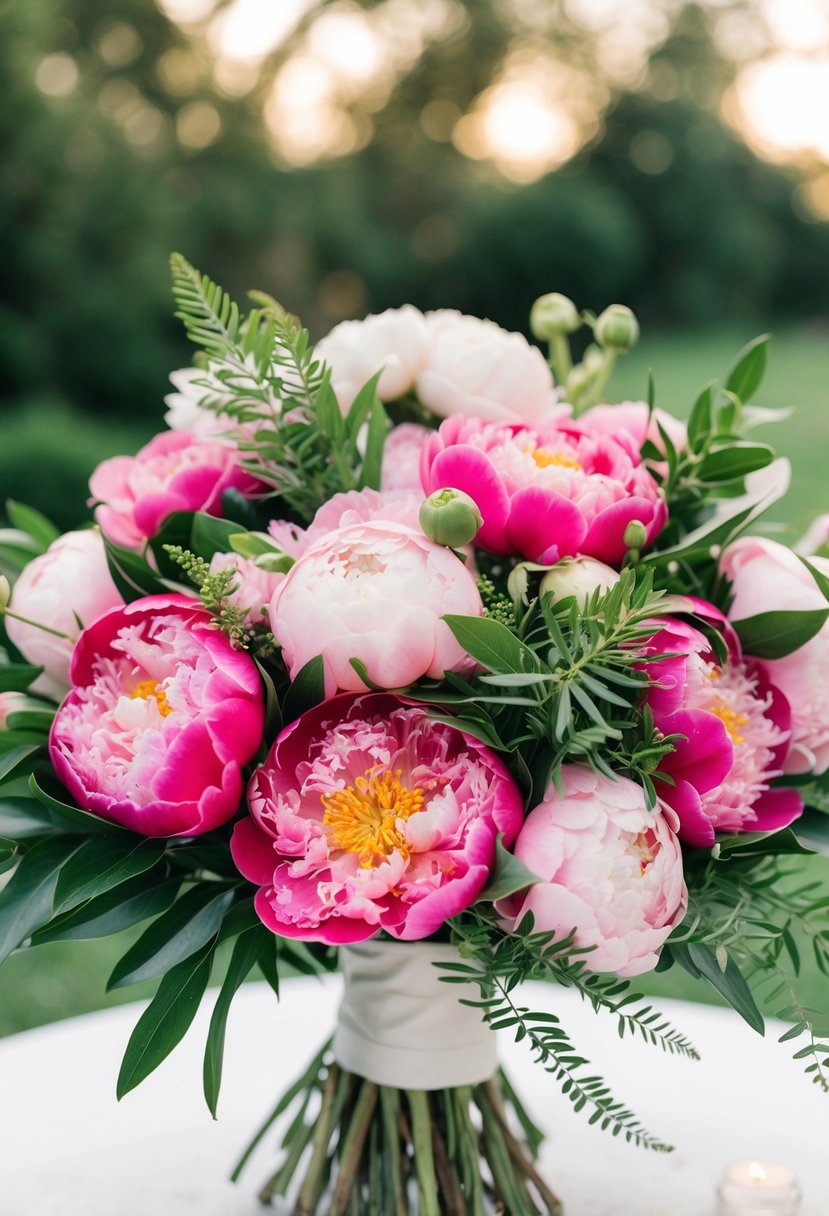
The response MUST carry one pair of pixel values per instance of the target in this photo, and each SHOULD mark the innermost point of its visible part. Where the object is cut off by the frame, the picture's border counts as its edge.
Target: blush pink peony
(66, 588)
(401, 458)
(367, 815)
(175, 471)
(476, 368)
(736, 729)
(162, 716)
(343, 510)
(768, 577)
(610, 869)
(374, 591)
(394, 341)
(545, 491)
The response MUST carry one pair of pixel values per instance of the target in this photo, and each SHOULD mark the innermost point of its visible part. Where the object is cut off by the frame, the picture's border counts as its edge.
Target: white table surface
(67, 1148)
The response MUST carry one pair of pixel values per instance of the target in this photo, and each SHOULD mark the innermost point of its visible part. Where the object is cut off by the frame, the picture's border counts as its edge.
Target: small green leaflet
(305, 691)
(510, 875)
(729, 983)
(26, 900)
(749, 368)
(773, 635)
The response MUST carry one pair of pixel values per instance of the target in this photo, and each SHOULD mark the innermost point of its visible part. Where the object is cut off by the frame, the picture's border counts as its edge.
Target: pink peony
(546, 491)
(632, 423)
(401, 458)
(175, 471)
(394, 340)
(374, 591)
(66, 588)
(343, 510)
(162, 715)
(610, 869)
(367, 815)
(768, 577)
(477, 369)
(736, 728)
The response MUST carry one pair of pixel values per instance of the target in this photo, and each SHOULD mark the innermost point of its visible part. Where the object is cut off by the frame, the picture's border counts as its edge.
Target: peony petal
(544, 525)
(466, 468)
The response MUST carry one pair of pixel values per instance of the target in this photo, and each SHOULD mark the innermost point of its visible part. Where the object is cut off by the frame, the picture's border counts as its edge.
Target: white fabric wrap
(400, 1025)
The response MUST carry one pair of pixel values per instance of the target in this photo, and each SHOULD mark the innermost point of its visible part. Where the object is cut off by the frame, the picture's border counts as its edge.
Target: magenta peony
(768, 577)
(66, 588)
(367, 815)
(175, 471)
(610, 869)
(737, 733)
(162, 715)
(546, 491)
(374, 591)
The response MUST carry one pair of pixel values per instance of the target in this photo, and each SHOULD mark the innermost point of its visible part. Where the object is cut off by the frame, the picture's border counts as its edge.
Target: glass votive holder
(758, 1188)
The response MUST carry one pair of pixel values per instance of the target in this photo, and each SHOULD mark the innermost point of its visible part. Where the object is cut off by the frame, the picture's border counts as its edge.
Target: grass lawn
(57, 981)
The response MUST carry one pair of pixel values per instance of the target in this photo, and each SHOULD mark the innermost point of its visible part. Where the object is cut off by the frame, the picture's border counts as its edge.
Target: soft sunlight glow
(781, 105)
(187, 11)
(250, 29)
(56, 75)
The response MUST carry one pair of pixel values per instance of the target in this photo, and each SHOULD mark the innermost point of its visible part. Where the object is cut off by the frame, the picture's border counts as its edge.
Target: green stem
(352, 1148)
(598, 384)
(390, 1110)
(560, 360)
(423, 1157)
(312, 1185)
(36, 624)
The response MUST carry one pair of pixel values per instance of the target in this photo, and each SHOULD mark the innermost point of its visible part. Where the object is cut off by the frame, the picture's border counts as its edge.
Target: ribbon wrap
(399, 1025)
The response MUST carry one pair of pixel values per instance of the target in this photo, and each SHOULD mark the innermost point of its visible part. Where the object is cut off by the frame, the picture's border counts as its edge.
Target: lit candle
(758, 1188)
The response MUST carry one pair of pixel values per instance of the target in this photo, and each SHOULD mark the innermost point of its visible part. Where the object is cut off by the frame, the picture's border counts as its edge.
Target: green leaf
(820, 578)
(28, 519)
(120, 908)
(699, 423)
(749, 368)
(736, 459)
(12, 761)
(186, 927)
(17, 677)
(209, 535)
(245, 954)
(304, 692)
(166, 1020)
(756, 844)
(812, 828)
(509, 875)
(254, 544)
(72, 817)
(492, 644)
(360, 408)
(773, 635)
(131, 573)
(729, 983)
(375, 442)
(26, 900)
(37, 721)
(104, 862)
(22, 818)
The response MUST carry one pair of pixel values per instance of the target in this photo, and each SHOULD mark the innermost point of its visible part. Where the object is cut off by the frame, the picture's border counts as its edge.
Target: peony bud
(553, 314)
(617, 328)
(635, 534)
(450, 517)
(578, 576)
(5, 592)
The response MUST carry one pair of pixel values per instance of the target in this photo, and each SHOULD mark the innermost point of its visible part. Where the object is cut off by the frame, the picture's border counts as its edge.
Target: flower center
(561, 460)
(647, 846)
(365, 817)
(731, 720)
(151, 688)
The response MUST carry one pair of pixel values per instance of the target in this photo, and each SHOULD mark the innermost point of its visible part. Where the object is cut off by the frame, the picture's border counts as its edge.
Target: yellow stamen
(648, 847)
(151, 688)
(545, 459)
(364, 818)
(731, 720)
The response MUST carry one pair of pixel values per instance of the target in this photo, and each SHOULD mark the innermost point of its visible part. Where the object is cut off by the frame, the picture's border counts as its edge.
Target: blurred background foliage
(351, 156)
(347, 157)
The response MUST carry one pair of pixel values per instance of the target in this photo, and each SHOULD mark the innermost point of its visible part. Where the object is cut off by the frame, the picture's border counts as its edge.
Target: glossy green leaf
(729, 983)
(210, 535)
(773, 635)
(755, 844)
(64, 813)
(35, 721)
(17, 677)
(166, 1020)
(699, 423)
(735, 460)
(13, 761)
(23, 818)
(187, 926)
(492, 644)
(305, 691)
(812, 828)
(131, 573)
(245, 954)
(104, 862)
(746, 375)
(509, 875)
(26, 900)
(817, 574)
(29, 519)
(377, 430)
(120, 908)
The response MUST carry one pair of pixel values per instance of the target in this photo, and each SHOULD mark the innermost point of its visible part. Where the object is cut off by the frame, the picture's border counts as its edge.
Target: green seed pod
(617, 328)
(450, 517)
(553, 314)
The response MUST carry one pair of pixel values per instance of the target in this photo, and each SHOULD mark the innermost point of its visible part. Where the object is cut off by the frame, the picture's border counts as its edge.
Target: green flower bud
(450, 517)
(553, 314)
(5, 591)
(617, 328)
(635, 534)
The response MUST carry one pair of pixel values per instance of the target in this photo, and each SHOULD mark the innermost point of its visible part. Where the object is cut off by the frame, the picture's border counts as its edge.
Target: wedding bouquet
(412, 656)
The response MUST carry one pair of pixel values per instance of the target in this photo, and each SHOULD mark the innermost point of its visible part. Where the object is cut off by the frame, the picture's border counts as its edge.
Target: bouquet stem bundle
(353, 1146)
